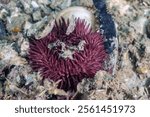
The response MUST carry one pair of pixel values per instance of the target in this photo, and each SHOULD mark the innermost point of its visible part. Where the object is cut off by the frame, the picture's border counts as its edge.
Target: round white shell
(75, 12)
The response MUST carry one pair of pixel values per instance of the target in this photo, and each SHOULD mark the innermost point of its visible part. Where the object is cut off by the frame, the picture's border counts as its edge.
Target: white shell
(74, 12)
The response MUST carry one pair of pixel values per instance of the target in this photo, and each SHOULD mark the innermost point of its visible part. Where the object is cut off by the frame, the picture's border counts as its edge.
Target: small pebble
(142, 69)
(16, 29)
(3, 13)
(34, 5)
(15, 24)
(36, 15)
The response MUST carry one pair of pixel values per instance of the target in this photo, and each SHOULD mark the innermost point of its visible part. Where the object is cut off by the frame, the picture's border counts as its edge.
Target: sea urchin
(68, 57)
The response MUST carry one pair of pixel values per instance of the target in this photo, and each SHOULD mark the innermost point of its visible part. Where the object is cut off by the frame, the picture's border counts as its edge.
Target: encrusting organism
(68, 57)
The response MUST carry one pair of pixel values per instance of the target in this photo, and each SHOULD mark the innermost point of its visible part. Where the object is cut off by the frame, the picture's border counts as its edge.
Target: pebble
(128, 78)
(3, 13)
(65, 4)
(10, 56)
(60, 4)
(142, 69)
(45, 2)
(16, 29)
(85, 3)
(24, 48)
(34, 5)
(139, 25)
(15, 24)
(46, 10)
(27, 6)
(36, 15)
(27, 25)
(37, 28)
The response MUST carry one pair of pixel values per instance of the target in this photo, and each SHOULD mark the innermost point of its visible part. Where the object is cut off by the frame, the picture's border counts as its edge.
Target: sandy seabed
(19, 20)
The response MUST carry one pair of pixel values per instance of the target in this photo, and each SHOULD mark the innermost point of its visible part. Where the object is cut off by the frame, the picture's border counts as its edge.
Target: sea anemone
(68, 57)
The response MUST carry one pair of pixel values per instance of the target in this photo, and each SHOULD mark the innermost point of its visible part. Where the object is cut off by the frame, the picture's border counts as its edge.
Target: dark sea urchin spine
(107, 25)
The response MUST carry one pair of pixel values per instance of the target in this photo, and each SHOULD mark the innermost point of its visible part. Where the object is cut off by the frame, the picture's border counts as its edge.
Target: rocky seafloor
(20, 19)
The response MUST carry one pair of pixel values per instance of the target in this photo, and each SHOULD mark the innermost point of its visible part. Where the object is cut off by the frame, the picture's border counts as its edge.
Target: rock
(27, 6)
(3, 13)
(34, 4)
(16, 29)
(128, 79)
(100, 77)
(46, 9)
(142, 69)
(61, 4)
(45, 2)
(27, 26)
(48, 28)
(36, 15)
(85, 3)
(15, 24)
(84, 86)
(147, 12)
(10, 56)
(12, 5)
(103, 75)
(120, 5)
(139, 24)
(24, 48)
(37, 28)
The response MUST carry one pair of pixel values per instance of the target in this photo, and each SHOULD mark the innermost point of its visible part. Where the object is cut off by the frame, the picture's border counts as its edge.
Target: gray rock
(27, 6)
(45, 2)
(3, 13)
(34, 4)
(46, 9)
(36, 15)
(36, 28)
(60, 4)
(16, 22)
